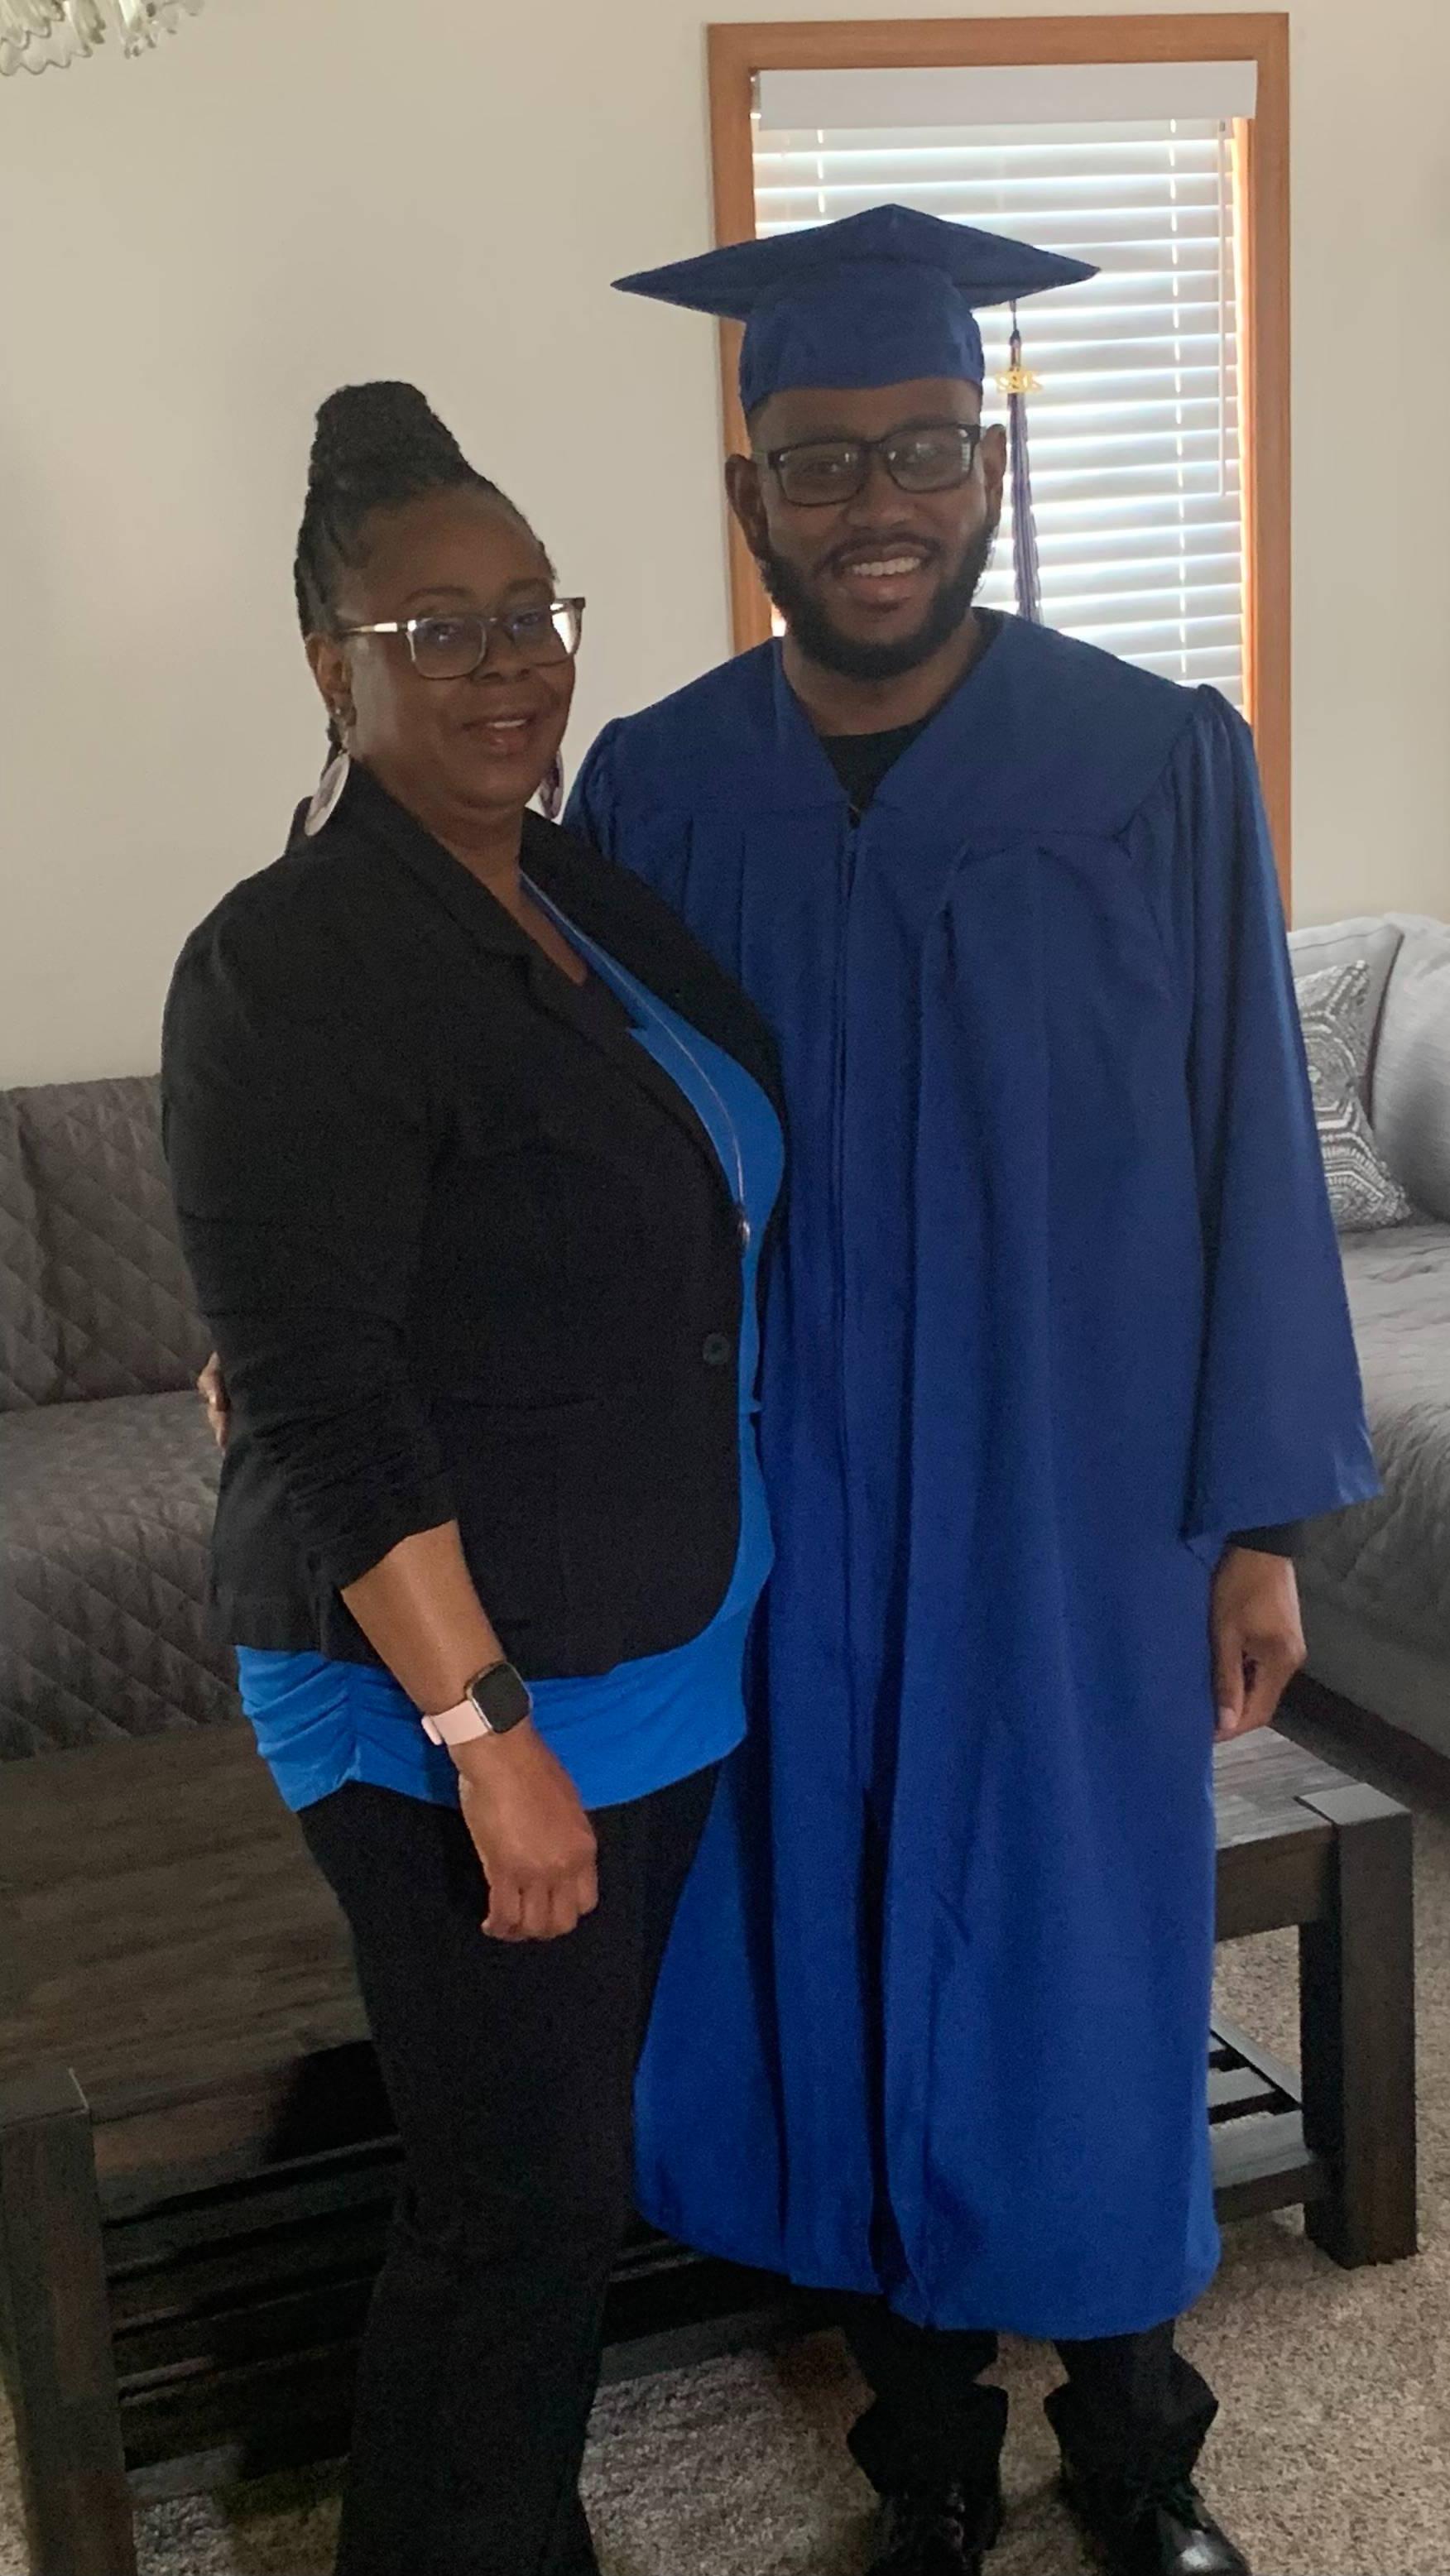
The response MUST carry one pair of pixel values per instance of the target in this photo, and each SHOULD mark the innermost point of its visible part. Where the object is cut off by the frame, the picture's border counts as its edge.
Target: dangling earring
(333, 781)
(551, 791)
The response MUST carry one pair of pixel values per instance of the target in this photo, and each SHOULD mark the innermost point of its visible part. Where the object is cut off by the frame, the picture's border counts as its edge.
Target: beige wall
(298, 192)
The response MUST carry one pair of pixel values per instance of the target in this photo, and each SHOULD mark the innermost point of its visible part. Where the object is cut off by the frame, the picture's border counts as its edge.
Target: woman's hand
(211, 1386)
(419, 1609)
(531, 1834)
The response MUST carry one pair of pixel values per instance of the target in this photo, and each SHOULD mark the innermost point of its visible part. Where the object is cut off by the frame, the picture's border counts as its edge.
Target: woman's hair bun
(364, 430)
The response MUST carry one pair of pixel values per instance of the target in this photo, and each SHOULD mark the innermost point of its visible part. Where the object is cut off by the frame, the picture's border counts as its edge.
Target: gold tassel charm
(1017, 379)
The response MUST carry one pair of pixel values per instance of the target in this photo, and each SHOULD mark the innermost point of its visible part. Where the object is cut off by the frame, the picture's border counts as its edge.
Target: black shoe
(941, 2531)
(1150, 2526)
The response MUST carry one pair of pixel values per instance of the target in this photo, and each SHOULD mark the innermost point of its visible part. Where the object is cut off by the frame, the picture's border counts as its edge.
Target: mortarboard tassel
(1017, 384)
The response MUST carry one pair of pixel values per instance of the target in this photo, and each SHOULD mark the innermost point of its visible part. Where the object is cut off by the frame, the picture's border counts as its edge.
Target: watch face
(501, 1698)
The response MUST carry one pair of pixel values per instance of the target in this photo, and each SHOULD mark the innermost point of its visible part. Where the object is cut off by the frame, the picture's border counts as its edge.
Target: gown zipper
(843, 1434)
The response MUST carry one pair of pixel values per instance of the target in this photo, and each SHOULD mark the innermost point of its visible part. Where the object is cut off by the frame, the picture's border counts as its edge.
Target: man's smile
(883, 578)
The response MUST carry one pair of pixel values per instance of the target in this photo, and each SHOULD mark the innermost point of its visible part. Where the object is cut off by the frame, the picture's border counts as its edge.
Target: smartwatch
(495, 1702)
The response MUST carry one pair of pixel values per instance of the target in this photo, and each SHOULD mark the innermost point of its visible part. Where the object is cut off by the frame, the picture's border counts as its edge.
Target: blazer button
(717, 1350)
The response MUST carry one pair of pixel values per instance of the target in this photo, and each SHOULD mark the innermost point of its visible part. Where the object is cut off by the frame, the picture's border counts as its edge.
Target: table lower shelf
(236, 2310)
(1260, 2159)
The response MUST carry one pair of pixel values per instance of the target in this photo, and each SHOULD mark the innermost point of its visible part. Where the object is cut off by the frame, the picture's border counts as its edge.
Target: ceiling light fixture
(46, 35)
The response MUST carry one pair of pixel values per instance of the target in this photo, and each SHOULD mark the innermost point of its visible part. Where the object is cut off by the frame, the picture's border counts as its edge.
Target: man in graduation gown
(1056, 1348)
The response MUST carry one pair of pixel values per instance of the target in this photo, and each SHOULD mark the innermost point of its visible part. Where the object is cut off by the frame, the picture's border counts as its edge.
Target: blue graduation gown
(1059, 1305)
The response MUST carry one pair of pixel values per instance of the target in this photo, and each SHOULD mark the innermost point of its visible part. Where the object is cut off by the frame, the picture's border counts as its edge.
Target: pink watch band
(460, 1725)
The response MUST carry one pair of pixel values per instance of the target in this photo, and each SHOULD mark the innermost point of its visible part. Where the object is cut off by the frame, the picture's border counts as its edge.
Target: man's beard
(821, 642)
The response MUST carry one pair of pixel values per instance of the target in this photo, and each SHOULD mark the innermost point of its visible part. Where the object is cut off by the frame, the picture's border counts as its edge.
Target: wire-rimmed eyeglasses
(452, 645)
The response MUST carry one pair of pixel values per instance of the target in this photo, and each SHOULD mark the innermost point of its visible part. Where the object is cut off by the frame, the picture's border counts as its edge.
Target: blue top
(321, 1722)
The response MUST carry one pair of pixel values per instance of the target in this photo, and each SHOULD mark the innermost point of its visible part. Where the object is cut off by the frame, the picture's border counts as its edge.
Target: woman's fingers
(211, 1386)
(505, 1914)
(536, 1912)
(545, 1909)
(530, 1909)
(573, 1899)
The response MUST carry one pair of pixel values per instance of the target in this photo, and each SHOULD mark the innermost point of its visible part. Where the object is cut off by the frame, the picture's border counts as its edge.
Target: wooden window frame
(738, 53)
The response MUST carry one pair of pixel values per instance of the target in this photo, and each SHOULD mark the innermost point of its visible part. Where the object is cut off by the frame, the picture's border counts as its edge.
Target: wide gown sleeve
(1280, 1431)
(297, 1130)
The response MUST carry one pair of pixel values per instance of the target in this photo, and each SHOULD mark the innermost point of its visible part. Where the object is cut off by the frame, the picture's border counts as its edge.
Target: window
(1152, 461)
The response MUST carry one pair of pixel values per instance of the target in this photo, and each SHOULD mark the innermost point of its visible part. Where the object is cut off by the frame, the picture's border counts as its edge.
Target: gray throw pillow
(1343, 943)
(1363, 1191)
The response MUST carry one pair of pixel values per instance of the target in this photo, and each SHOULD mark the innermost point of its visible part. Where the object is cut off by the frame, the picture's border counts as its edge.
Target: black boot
(931, 2444)
(1155, 2524)
(941, 2531)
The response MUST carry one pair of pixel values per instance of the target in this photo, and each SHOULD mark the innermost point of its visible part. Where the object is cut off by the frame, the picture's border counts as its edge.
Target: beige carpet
(1332, 2459)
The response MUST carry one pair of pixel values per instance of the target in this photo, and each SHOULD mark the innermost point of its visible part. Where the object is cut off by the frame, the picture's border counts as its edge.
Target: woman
(474, 1151)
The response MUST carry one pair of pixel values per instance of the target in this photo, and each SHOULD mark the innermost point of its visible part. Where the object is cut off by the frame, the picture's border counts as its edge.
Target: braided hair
(375, 447)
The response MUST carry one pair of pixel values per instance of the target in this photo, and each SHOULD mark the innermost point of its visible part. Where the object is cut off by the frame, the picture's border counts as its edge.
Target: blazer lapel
(367, 807)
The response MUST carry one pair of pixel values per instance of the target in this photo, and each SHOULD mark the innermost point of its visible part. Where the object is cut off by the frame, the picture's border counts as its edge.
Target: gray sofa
(1376, 1581)
(107, 1475)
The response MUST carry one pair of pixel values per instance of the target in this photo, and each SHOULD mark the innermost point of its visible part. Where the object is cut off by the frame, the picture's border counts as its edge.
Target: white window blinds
(1135, 434)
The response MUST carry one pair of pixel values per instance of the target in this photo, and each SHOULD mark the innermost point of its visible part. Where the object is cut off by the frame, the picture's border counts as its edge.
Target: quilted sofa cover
(1376, 1580)
(107, 1474)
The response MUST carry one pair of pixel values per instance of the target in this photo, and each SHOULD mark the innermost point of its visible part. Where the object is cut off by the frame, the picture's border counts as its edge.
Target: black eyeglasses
(935, 457)
(451, 647)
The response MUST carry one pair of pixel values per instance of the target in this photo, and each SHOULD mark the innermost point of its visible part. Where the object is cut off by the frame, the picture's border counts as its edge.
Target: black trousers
(510, 2070)
(1132, 2406)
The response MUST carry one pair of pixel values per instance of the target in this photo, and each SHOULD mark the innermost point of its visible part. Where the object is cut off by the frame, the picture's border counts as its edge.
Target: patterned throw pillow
(1363, 1191)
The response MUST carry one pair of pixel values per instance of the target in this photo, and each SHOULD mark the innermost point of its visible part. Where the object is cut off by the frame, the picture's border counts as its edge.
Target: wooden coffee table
(197, 2162)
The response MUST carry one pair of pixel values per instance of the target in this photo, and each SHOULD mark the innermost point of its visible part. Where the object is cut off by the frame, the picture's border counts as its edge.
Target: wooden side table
(1302, 1844)
(197, 2161)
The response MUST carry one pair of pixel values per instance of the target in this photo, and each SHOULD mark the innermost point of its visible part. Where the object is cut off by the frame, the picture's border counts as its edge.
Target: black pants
(510, 2071)
(1132, 2406)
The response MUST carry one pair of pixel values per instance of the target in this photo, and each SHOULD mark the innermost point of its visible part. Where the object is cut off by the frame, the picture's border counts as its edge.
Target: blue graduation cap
(876, 299)
(879, 298)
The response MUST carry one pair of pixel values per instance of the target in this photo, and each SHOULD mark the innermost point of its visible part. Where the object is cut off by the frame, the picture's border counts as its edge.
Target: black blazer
(465, 1251)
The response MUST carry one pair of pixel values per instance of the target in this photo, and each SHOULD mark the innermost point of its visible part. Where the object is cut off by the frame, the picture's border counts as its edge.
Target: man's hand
(1258, 1642)
(211, 1386)
(531, 1834)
